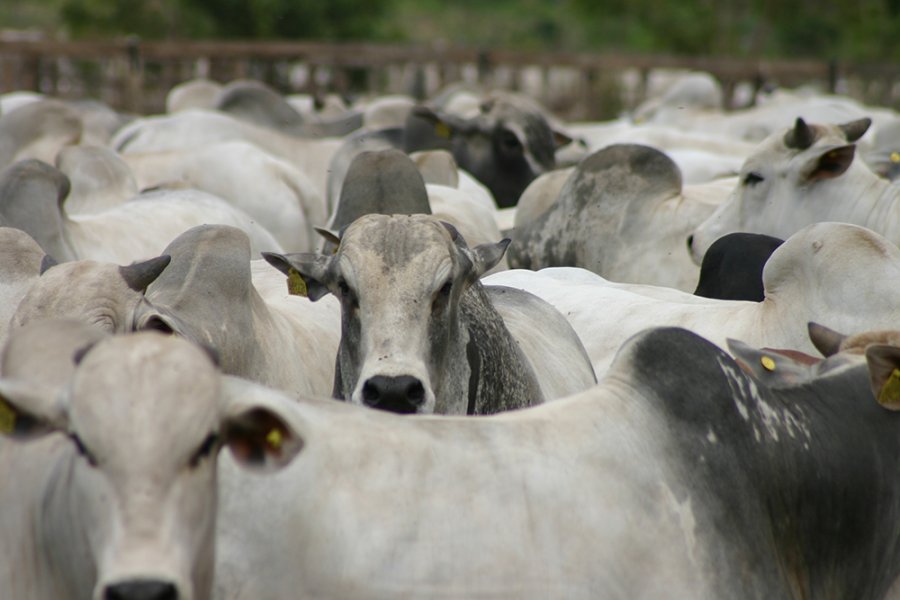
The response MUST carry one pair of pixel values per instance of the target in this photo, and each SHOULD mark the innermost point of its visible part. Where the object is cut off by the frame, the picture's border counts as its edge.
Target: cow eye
(510, 141)
(347, 294)
(751, 179)
(205, 449)
(440, 299)
(83, 451)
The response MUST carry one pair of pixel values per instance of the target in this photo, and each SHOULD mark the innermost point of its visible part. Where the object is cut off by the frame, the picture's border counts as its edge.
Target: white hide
(781, 190)
(194, 128)
(272, 191)
(840, 275)
(142, 227)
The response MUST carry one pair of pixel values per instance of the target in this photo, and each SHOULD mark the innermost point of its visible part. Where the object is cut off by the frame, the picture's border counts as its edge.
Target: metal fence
(135, 75)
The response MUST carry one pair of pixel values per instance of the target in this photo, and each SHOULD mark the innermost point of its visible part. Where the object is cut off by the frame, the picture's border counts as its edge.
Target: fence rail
(134, 75)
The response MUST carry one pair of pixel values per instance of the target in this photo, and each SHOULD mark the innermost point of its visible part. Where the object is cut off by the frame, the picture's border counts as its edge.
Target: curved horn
(801, 136)
(47, 262)
(855, 129)
(141, 274)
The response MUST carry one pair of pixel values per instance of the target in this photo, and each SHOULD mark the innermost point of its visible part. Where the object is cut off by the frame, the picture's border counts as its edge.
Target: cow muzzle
(141, 589)
(401, 394)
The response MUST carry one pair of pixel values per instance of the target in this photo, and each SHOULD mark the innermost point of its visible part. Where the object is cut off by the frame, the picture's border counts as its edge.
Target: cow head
(400, 281)
(145, 416)
(101, 294)
(793, 179)
(505, 146)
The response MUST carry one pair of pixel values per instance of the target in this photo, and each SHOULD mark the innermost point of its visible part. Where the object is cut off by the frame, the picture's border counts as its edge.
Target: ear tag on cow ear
(890, 391)
(441, 130)
(296, 284)
(7, 417)
(275, 439)
(895, 157)
(768, 363)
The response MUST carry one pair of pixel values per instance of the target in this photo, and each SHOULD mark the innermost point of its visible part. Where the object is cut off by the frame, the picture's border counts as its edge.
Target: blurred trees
(845, 29)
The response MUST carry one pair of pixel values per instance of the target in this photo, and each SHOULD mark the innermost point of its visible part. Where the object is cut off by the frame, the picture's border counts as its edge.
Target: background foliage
(844, 29)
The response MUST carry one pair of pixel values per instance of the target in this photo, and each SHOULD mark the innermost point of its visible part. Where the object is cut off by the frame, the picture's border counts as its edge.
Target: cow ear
(307, 273)
(486, 256)
(884, 374)
(855, 129)
(443, 125)
(29, 409)
(770, 368)
(827, 341)
(254, 427)
(562, 139)
(831, 163)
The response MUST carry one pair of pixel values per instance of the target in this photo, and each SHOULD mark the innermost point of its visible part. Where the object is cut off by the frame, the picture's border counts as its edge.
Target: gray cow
(419, 335)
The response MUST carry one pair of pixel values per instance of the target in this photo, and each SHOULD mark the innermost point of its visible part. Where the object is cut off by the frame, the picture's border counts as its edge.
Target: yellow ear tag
(295, 283)
(890, 391)
(767, 363)
(441, 130)
(275, 439)
(7, 417)
(895, 157)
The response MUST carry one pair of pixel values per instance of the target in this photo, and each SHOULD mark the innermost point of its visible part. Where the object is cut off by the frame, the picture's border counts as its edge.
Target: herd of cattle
(689, 320)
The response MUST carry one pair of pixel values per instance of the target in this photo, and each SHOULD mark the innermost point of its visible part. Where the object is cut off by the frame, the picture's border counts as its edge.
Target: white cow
(32, 195)
(100, 179)
(114, 463)
(837, 274)
(804, 175)
(677, 476)
(206, 289)
(192, 128)
(622, 213)
(281, 198)
(21, 263)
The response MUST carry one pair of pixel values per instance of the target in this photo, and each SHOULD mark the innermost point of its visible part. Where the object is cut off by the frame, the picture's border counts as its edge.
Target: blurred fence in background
(135, 75)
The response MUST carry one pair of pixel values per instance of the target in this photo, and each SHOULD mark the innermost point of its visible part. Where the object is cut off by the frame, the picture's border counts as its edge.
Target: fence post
(135, 77)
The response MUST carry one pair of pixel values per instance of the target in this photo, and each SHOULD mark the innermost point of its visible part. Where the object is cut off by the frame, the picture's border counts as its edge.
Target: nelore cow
(834, 273)
(505, 145)
(419, 333)
(623, 214)
(804, 175)
(112, 446)
(204, 288)
(32, 196)
(678, 476)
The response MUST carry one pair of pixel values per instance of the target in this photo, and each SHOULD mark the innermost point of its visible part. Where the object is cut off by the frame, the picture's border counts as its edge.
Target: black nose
(141, 589)
(402, 394)
(690, 241)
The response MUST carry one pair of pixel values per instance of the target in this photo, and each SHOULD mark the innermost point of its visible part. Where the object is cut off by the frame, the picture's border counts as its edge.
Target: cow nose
(401, 394)
(690, 241)
(141, 589)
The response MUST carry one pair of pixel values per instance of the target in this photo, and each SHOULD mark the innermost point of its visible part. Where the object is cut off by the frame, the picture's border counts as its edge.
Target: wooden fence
(135, 75)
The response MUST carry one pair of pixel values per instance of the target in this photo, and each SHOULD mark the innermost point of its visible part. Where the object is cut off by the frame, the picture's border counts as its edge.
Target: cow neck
(505, 379)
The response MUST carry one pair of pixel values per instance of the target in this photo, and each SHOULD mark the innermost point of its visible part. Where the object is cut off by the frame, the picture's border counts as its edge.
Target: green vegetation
(846, 29)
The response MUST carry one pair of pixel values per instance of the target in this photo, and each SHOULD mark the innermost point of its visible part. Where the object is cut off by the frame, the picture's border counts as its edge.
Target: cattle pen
(134, 75)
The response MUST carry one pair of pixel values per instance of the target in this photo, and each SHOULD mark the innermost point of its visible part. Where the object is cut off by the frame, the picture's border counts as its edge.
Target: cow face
(146, 415)
(506, 146)
(400, 280)
(100, 294)
(792, 180)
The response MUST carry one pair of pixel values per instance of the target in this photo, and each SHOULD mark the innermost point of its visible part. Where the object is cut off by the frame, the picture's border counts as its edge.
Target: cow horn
(800, 137)
(140, 275)
(454, 232)
(855, 129)
(826, 340)
(47, 262)
(334, 238)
